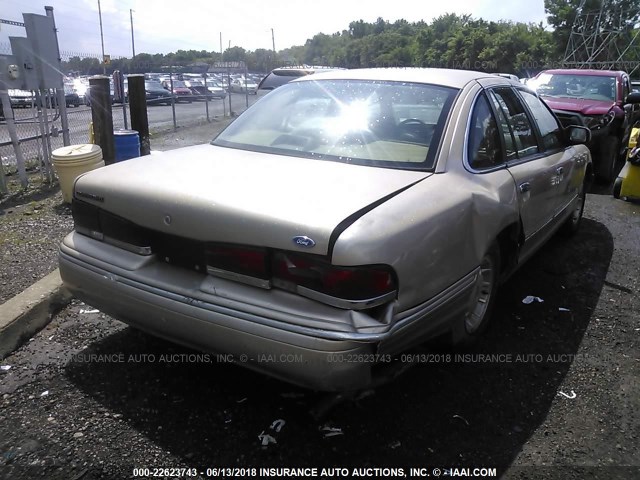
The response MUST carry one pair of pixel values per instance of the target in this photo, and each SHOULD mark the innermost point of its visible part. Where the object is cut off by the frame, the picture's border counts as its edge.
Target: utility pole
(104, 65)
(273, 42)
(133, 45)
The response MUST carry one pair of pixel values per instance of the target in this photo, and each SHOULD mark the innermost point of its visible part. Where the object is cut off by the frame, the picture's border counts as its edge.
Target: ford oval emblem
(303, 241)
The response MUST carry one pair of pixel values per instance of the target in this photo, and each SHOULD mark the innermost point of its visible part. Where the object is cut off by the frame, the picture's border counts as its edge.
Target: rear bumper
(276, 332)
(216, 324)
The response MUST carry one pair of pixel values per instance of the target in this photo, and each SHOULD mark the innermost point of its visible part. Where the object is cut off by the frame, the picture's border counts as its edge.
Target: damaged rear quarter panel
(434, 233)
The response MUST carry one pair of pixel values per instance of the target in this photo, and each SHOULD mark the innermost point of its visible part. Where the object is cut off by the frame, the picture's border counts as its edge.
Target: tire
(475, 320)
(572, 224)
(617, 187)
(605, 167)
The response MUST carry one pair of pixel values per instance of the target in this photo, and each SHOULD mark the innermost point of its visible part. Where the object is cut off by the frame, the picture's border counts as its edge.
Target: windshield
(390, 124)
(588, 87)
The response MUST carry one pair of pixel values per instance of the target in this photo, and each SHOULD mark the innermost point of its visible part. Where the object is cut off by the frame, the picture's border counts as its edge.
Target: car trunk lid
(217, 194)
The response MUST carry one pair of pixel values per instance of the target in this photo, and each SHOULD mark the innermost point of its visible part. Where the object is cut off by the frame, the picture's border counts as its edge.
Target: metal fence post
(138, 111)
(206, 96)
(60, 94)
(102, 117)
(11, 126)
(173, 100)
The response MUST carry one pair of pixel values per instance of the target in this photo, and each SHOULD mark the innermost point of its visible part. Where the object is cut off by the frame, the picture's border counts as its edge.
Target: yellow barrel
(72, 161)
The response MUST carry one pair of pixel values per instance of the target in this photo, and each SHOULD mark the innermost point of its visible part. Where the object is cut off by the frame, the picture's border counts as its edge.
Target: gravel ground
(33, 222)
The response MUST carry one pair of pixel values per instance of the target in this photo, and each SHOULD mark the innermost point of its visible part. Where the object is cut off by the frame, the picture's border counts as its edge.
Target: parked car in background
(335, 223)
(21, 98)
(156, 94)
(198, 89)
(216, 90)
(242, 85)
(180, 90)
(81, 85)
(72, 99)
(598, 99)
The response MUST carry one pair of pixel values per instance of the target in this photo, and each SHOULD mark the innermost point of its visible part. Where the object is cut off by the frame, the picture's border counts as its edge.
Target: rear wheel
(572, 224)
(617, 187)
(480, 306)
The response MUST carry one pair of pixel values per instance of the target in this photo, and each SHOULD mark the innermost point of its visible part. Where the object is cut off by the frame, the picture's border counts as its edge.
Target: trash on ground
(5, 368)
(461, 418)
(562, 309)
(328, 431)
(530, 299)
(266, 439)
(277, 425)
(569, 396)
(45, 393)
(82, 310)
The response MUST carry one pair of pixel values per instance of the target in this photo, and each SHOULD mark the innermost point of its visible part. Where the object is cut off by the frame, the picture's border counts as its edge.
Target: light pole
(104, 65)
(133, 45)
(273, 42)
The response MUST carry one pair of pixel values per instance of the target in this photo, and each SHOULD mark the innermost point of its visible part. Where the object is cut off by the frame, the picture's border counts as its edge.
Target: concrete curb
(30, 311)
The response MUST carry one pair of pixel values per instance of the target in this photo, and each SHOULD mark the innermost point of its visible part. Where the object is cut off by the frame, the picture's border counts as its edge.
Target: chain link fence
(38, 118)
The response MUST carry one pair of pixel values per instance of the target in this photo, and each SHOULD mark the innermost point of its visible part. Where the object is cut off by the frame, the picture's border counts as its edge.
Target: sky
(163, 26)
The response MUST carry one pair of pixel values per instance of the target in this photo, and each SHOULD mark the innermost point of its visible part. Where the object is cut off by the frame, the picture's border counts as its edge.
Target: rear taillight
(345, 287)
(338, 286)
(86, 219)
(96, 223)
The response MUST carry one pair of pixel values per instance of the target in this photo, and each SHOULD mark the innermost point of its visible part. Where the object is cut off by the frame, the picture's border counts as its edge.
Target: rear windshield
(392, 124)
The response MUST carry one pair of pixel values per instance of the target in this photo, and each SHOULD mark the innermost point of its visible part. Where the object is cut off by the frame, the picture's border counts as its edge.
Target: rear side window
(518, 121)
(547, 123)
(484, 149)
(278, 78)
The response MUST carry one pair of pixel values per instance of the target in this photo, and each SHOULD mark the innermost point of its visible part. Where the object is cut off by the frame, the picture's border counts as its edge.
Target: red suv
(598, 99)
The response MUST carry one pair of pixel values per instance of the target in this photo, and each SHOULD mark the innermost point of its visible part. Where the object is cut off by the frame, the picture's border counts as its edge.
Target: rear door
(566, 178)
(532, 169)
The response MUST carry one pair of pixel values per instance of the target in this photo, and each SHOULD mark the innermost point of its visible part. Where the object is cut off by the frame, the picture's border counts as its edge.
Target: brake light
(350, 283)
(86, 219)
(96, 223)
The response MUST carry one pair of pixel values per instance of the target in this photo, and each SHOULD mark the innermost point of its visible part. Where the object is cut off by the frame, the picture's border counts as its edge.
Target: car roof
(585, 71)
(435, 76)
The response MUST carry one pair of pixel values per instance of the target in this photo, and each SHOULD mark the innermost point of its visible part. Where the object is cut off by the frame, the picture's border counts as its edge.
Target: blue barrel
(127, 143)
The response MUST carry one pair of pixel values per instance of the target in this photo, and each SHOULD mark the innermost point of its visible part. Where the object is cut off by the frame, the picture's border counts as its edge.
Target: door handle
(525, 187)
(559, 170)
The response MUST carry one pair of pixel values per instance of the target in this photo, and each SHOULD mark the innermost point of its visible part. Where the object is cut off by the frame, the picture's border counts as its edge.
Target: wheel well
(509, 241)
(589, 177)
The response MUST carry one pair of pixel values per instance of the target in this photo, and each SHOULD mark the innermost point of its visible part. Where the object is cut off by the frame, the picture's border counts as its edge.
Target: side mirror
(633, 98)
(579, 135)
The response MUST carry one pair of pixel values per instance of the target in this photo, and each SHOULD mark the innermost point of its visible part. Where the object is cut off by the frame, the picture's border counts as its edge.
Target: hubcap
(482, 292)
